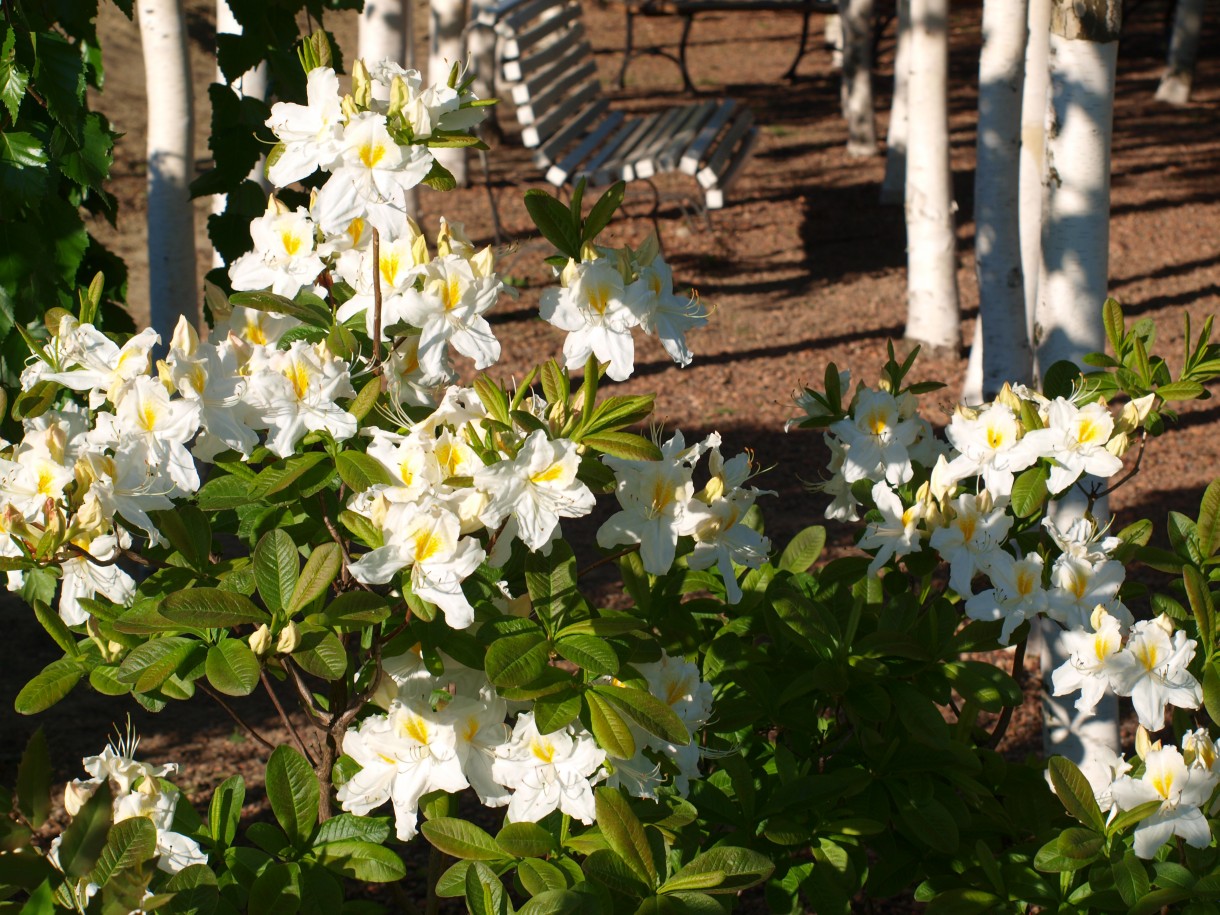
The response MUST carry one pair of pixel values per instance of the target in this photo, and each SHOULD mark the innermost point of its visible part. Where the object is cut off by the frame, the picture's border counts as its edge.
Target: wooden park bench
(544, 56)
(689, 9)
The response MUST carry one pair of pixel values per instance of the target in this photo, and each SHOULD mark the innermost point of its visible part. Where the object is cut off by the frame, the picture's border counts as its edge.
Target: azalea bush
(309, 502)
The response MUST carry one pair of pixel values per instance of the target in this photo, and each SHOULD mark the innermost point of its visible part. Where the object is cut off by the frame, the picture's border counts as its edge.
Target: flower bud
(260, 640)
(185, 340)
(1143, 742)
(1009, 399)
(400, 95)
(289, 639)
(362, 84)
(76, 794)
(1198, 749)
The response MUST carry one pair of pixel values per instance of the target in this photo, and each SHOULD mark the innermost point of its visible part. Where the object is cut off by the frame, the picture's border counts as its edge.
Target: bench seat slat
(550, 151)
(558, 174)
(600, 169)
(709, 175)
(714, 198)
(698, 148)
(662, 130)
(654, 161)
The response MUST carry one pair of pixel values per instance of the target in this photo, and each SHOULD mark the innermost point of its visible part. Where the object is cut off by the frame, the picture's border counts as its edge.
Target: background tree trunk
(1075, 264)
(448, 46)
(893, 186)
(1183, 48)
(1001, 351)
(857, 88)
(933, 317)
(1034, 109)
(171, 166)
(832, 37)
(253, 84)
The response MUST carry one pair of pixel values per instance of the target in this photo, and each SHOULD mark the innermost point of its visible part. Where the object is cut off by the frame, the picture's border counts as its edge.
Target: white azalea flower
(897, 534)
(1090, 663)
(155, 429)
(1151, 669)
(82, 577)
(591, 306)
(284, 259)
(974, 533)
(449, 310)
(128, 488)
(209, 377)
(429, 544)
(99, 365)
(990, 445)
(1075, 441)
(1180, 791)
(1078, 585)
(311, 133)
(665, 315)
(877, 436)
(537, 488)
(549, 771)
(1017, 594)
(293, 391)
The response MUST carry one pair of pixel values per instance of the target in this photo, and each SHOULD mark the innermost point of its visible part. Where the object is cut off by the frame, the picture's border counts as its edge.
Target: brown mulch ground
(803, 267)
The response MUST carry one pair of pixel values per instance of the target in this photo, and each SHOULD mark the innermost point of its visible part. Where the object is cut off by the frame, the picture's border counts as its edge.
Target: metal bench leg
(688, 19)
(800, 51)
(628, 50)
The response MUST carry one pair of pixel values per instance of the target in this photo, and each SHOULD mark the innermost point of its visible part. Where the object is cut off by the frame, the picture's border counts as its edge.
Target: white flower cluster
(138, 791)
(607, 293)
(1180, 781)
(449, 733)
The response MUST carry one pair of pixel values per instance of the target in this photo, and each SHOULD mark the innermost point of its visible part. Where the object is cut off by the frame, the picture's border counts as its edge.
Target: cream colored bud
(275, 207)
(568, 274)
(260, 640)
(348, 106)
(1119, 444)
(89, 518)
(1134, 413)
(386, 691)
(400, 94)
(1165, 623)
(967, 413)
(289, 639)
(1143, 742)
(362, 84)
(165, 375)
(941, 484)
(57, 441)
(483, 264)
(76, 794)
(1008, 398)
(185, 339)
(1098, 617)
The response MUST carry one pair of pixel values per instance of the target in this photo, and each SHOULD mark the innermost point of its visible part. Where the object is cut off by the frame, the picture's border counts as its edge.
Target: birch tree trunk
(832, 37)
(1183, 48)
(856, 94)
(448, 46)
(1034, 109)
(171, 165)
(932, 303)
(1001, 351)
(253, 84)
(386, 31)
(893, 186)
(1075, 264)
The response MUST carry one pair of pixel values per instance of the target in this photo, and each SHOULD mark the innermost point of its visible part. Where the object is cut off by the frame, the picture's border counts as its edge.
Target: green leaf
(558, 902)
(56, 628)
(603, 210)
(551, 582)
(1159, 900)
(224, 813)
(283, 473)
(59, 74)
(353, 610)
(232, 668)
(277, 890)
(609, 728)
(50, 685)
(34, 781)
(1029, 491)
(554, 221)
(742, 868)
(13, 82)
(525, 840)
(363, 861)
(222, 493)
(359, 471)
(85, 836)
(1131, 879)
(305, 312)
(1180, 390)
(518, 659)
(649, 712)
(321, 569)
(346, 826)
(1208, 524)
(292, 789)
(189, 532)
(1201, 605)
(361, 528)
(440, 178)
(130, 844)
(611, 871)
(484, 893)
(151, 664)
(212, 608)
(804, 550)
(1075, 793)
(962, 901)
(461, 839)
(603, 626)
(321, 654)
(625, 834)
(590, 653)
(1059, 379)
(277, 566)
(1112, 318)
(1130, 817)
(556, 710)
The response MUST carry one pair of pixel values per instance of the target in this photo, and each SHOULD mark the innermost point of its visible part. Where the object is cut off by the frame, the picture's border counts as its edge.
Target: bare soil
(803, 267)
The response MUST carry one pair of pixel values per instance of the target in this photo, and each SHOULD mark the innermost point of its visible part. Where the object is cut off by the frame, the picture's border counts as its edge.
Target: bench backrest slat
(518, 44)
(523, 67)
(558, 174)
(542, 130)
(547, 88)
(550, 151)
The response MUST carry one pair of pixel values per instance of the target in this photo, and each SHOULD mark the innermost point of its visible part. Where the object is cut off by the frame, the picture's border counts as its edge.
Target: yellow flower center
(1089, 432)
(415, 727)
(451, 293)
(599, 299)
(543, 749)
(298, 376)
(1163, 783)
(427, 545)
(550, 475)
(371, 153)
(291, 242)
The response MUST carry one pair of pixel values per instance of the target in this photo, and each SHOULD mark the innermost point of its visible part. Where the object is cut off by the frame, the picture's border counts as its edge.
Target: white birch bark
(1001, 351)
(171, 165)
(1075, 264)
(893, 185)
(386, 31)
(832, 37)
(1183, 48)
(448, 45)
(932, 302)
(252, 84)
(1034, 108)
(856, 94)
